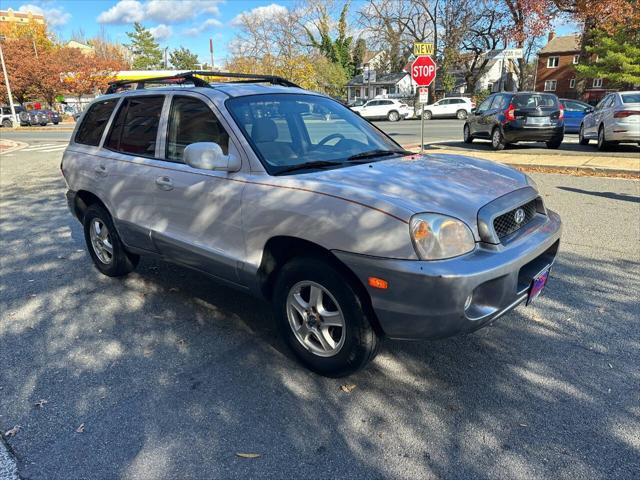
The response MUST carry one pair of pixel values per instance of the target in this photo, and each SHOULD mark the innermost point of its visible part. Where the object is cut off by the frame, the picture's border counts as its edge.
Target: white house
(388, 84)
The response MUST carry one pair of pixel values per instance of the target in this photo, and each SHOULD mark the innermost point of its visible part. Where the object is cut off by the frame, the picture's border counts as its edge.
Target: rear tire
(348, 348)
(462, 114)
(554, 144)
(466, 132)
(6, 123)
(428, 115)
(497, 140)
(104, 245)
(602, 141)
(581, 139)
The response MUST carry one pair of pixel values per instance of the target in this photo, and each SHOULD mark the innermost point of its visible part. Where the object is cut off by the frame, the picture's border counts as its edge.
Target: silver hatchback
(351, 237)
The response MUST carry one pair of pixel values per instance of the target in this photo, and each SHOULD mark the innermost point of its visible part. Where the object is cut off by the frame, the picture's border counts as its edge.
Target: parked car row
(510, 117)
(29, 117)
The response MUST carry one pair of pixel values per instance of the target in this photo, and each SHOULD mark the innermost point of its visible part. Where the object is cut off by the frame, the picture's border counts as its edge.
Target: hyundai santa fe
(352, 238)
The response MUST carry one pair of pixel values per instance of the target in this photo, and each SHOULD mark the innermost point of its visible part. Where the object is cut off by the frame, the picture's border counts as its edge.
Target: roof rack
(193, 76)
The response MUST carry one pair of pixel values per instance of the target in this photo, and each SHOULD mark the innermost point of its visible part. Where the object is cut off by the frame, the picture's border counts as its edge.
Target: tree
(528, 20)
(618, 57)
(146, 51)
(21, 64)
(183, 59)
(359, 52)
(337, 50)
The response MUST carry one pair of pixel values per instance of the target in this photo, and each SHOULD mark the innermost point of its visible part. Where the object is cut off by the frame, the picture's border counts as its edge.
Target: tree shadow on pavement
(172, 375)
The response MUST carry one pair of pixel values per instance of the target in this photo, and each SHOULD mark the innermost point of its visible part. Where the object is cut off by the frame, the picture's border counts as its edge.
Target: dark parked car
(508, 117)
(574, 112)
(54, 117)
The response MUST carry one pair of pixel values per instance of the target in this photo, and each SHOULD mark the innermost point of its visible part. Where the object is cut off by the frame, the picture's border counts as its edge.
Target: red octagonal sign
(423, 71)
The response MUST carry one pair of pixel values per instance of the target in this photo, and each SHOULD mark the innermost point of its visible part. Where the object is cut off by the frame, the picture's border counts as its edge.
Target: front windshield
(288, 130)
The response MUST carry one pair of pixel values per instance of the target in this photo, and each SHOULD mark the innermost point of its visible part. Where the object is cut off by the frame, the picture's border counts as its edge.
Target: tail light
(561, 114)
(510, 113)
(625, 113)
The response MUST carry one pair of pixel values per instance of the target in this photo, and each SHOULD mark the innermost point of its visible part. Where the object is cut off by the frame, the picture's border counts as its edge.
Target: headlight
(436, 237)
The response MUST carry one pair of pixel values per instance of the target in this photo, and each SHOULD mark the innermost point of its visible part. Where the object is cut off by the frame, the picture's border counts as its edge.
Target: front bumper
(437, 299)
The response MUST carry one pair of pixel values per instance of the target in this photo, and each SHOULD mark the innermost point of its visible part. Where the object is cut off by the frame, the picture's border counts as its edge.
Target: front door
(201, 225)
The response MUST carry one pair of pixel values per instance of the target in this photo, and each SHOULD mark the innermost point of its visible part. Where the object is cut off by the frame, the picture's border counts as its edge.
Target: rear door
(593, 121)
(476, 119)
(536, 110)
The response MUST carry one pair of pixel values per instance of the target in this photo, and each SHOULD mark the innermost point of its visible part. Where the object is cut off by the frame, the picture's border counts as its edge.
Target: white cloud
(165, 11)
(210, 23)
(260, 13)
(161, 32)
(125, 11)
(55, 17)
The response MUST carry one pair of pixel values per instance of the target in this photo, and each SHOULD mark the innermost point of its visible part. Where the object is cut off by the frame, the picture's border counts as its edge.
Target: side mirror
(474, 110)
(589, 110)
(209, 156)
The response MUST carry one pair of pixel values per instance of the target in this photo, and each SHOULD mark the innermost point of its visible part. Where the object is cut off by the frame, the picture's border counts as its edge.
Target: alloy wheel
(101, 241)
(495, 138)
(316, 319)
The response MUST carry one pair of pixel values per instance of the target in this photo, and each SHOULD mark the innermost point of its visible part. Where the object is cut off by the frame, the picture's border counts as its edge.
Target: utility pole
(211, 51)
(15, 121)
(166, 63)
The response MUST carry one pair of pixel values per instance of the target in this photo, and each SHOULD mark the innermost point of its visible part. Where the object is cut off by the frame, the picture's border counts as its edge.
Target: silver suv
(352, 238)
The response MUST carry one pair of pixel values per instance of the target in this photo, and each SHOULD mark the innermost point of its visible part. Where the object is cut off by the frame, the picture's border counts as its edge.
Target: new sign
(423, 71)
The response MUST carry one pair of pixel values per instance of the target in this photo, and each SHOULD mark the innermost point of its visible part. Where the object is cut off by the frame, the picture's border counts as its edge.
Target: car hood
(453, 185)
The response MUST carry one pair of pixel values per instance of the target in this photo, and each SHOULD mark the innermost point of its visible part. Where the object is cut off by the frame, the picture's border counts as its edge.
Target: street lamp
(14, 118)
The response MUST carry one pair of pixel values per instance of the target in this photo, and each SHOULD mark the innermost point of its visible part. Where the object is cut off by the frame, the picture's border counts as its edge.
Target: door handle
(101, 171)
(164, 183)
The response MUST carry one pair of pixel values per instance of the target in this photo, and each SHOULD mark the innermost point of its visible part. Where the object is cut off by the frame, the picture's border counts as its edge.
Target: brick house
(556, 73)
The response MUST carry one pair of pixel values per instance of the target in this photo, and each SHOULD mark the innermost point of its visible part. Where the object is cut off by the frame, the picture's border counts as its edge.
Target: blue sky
(188, 23)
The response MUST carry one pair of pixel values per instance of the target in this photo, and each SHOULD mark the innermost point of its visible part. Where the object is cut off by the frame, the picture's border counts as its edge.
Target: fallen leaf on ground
(524, 425)
(80, 429)
(13, 432)
(40, 403)
(610, 366)
(347, 387)
(248, 455)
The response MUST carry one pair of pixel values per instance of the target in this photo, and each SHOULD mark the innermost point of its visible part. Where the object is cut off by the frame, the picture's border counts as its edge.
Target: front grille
(506, 223)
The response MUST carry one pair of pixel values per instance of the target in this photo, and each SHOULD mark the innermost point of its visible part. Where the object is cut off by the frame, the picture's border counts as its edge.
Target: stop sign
(423, 71)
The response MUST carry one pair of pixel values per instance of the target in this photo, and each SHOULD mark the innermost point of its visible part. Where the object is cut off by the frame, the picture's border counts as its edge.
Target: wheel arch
(281, 249)
(83, 200)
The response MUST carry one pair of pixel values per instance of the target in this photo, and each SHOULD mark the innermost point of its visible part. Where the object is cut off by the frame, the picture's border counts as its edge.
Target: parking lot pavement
(166, 374)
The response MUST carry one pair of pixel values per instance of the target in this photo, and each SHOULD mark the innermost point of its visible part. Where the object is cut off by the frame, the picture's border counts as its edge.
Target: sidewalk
(596, 164)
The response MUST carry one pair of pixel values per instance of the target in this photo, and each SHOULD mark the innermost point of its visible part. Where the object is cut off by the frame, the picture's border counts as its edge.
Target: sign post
(423, 72)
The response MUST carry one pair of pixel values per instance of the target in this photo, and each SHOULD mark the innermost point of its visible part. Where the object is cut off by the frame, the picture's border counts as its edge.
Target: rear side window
(95, 121)
(630, 97)
(501, 102)
(192, 121)
(135, 127)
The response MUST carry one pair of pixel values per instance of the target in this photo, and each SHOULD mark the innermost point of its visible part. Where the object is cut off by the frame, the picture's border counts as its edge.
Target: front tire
(497, 140)
(104, 245)
(322, 318)
(393, 116)
(581, 138)
(466, 132)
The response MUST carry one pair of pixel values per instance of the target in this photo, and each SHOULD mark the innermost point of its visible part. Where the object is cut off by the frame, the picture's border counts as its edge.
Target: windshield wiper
(376, 153)
(304, 166)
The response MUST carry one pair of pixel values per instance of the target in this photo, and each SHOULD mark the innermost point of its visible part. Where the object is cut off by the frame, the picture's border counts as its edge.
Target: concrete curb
(552, 163)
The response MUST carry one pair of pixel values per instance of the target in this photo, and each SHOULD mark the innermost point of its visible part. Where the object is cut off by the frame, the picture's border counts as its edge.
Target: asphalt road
(171, 375)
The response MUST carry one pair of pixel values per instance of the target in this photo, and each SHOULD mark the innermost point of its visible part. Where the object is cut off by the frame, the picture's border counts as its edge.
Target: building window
(553, 62)
(572, 83)
(550, 85)
(597, 83)
(576, 59)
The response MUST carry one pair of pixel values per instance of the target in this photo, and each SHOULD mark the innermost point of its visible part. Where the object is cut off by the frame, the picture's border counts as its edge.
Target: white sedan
(392, 110)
